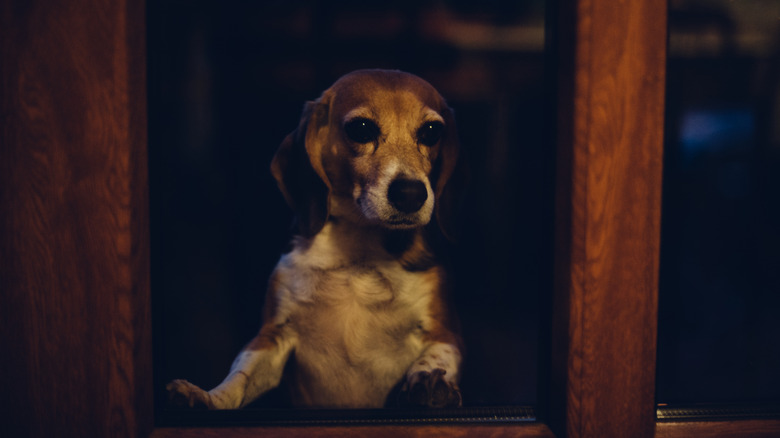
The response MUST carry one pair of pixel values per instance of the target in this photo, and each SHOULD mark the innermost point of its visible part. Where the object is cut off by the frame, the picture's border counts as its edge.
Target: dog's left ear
(298, 169)
(451, 178)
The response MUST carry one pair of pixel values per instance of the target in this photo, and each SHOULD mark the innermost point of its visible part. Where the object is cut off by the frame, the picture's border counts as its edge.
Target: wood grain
(74, 276)
(611, 143)
(719, 429)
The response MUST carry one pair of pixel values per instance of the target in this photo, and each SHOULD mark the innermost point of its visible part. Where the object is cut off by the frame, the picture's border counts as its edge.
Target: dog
(357, 310)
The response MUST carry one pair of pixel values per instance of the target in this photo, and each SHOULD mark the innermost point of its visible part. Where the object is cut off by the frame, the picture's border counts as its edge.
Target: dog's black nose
(407, 195)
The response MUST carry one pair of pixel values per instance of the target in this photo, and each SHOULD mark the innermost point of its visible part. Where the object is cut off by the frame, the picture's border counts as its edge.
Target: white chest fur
(358, 317)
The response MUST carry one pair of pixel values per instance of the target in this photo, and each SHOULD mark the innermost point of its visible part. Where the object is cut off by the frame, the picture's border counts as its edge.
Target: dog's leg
(257, 369)
(432, 380)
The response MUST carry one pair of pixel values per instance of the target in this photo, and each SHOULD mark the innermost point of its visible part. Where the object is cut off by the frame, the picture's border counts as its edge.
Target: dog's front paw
(430, 389)
(182, 393)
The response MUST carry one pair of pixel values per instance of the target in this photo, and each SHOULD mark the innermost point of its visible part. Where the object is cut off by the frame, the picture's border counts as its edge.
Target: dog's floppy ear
(451, 177)
(298, 169)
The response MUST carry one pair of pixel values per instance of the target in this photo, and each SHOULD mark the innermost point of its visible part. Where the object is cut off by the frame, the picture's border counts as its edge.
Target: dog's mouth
(395, 204)
(384, 215)
(401, 223)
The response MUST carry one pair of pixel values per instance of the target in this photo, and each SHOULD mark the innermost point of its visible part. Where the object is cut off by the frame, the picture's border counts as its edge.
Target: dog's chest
(358, 323)
(361, 312)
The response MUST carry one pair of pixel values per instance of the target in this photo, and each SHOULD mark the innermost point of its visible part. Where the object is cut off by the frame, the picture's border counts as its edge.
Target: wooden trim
(385, 431)
(74, 323)
(719, 429)
(610, 160)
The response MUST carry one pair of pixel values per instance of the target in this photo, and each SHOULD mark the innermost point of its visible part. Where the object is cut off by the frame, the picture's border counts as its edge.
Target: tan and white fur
(358, 308)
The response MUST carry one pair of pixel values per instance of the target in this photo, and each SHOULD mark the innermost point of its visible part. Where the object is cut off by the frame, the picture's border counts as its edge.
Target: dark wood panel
(74, 324)
(719, 429)
(611, 135)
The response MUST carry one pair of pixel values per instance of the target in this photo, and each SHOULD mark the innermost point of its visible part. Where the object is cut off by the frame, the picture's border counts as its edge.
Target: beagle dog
(357, 310)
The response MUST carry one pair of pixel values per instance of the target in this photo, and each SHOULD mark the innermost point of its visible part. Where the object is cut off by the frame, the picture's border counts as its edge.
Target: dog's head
(378, 147)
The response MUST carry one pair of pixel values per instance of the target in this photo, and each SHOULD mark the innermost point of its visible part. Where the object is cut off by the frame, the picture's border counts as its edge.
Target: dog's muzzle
(407, 195)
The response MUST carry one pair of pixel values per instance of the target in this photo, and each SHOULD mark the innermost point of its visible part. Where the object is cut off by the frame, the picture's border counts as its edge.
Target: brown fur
(358, 305)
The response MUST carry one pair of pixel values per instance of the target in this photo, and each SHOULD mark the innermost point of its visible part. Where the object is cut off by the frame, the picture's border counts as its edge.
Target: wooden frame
(75, 320)
(610, 146)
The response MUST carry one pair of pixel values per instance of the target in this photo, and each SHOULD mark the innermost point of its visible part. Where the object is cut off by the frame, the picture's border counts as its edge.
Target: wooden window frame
(75, 322)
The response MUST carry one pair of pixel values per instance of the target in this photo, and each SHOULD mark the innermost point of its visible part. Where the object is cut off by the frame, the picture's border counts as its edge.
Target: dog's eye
(361, 130)
(430, 133)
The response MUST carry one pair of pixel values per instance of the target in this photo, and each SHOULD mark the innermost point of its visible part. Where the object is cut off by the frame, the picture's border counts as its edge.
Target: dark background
(227, 81)
(719, 316)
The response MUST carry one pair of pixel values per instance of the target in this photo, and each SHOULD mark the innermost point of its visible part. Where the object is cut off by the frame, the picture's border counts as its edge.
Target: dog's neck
(343, 242)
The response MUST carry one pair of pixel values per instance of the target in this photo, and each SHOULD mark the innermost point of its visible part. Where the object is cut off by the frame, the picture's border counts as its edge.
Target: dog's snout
(407, 195)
